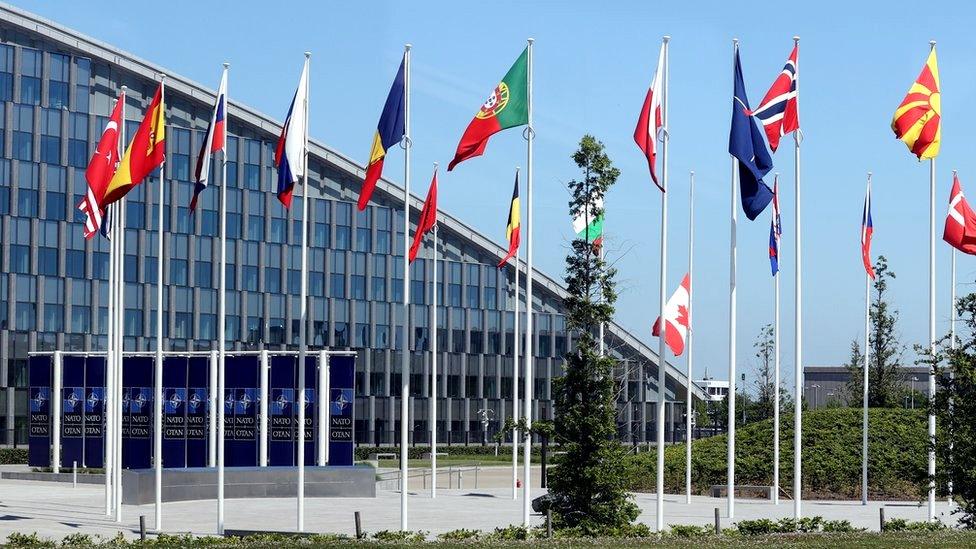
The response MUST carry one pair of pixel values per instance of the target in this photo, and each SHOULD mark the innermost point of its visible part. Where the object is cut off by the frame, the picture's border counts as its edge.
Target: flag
(677, 318)
(214, 141)
(588, 224)
(867, 231)
(506, 107)
(650, 120)
(514, 226)
(918, 120)
(389, 132)
(145, 153)
(747, 146)
(779, 111)
(775, 230)
(960, 223)
(290, 151)
(428, 218)
(100, 170)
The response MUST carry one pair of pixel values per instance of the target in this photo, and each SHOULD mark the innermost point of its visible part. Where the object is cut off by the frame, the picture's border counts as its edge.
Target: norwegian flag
(960, 223)
(775, 230)
(677, 318)
(650, 120)
(867, 230)
(779, 110)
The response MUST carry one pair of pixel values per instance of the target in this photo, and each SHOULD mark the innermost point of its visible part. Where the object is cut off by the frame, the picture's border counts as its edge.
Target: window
(180, 157)
(382, 244)
(203, 273)
(454, 285)
(476, 334)
(381, 318)
(341, 324)
(249, 270)
(252, 164)
(51, 136)
(80, 307)
(338, 280)
(363, 231)
(23, 145)
(82, 81)
(74, 263)
(25, 310)
(20, 237)
(457, 330)
(418, 270)
(362, 339)
(255, 219)
(378, 284)
(343, 219)
(232, 163)
(4, 187)
(6, 73)
(321, 236)
(54, 208)
(358, 278)
(491, 289)
(30, 76)
(47, 251)
(53, 314)
(57, 86)
(474, 281)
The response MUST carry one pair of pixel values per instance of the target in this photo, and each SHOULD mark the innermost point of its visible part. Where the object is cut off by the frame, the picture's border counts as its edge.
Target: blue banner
(342, 399)
(281, 410)
(241, 404)
(72, 410)
(94, 411)
(174, 411)
(197, 410)
(137, 411)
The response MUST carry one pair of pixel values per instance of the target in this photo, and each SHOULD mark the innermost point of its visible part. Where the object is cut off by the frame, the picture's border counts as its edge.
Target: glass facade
(53, 282)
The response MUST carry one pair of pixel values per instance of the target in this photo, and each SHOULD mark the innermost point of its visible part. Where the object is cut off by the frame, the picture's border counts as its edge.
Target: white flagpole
(303, 308)
(952, 334)
(662, 347)
(433, 392)
(798, 322)
(776, 368)
(110, 372)
(730, 456)
(405, 357)
(931, 506)
(527, 390)
(689, 408)
(218, 399)
(866, 378)
(158, 382)
(515, 365)
(116, 358)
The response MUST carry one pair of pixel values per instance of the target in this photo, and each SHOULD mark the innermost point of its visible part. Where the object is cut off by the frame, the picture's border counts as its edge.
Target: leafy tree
(765, 346)
(884, 384)
(589, 488)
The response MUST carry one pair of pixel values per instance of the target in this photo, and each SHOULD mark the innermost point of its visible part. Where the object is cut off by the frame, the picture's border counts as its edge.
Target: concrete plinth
(138, 485)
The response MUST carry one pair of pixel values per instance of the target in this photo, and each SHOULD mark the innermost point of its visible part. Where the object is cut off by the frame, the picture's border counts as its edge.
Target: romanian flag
(428, 218)
(146, 151)
(918, 120)
(506, 107)
(514, 224)
(389, 132)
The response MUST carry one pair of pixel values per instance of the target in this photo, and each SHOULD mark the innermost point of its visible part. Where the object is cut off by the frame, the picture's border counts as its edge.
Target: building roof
(180, 85)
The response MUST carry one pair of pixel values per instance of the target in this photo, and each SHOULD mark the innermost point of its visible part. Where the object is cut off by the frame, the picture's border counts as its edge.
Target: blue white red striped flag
(290, 152)
(214, 141)
(775, 230)
(779, 111)
(867, 230)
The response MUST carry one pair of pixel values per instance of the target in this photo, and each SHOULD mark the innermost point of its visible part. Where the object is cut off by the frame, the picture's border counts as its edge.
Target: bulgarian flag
(506, 107)
(590, 227)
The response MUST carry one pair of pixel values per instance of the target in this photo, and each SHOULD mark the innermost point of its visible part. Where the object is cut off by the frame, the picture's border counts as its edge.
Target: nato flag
(747, 146)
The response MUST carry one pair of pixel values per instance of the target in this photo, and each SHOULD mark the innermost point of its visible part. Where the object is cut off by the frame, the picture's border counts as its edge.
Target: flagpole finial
(796, 38)
(308, 54)
(735, 41)
(407, 46)
(226, 65)
(692, 172)
(531, 40)
(435, 166)
(124, 88)
(517, 169)
(667, 38)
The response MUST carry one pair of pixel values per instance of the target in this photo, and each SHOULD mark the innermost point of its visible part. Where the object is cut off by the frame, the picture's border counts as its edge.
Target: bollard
(460, 472)
(74, 474)
(718, 522)
(477, 469)
(142, 527)
(359, 527)
(882, 519)
(549, 523)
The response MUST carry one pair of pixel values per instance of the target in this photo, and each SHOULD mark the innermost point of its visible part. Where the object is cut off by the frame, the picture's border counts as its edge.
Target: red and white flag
(100, 170)
(960, 223)
(677, 318)
(650, 120)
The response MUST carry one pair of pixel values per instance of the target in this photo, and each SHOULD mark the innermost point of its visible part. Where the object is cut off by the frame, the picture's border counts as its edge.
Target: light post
(816, 389)
(914, 379)
(743, 399)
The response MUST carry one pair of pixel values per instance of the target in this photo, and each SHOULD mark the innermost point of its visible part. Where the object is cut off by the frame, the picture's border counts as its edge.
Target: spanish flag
(389, 132)
(514, 224)
(145, 153)
(918, 120)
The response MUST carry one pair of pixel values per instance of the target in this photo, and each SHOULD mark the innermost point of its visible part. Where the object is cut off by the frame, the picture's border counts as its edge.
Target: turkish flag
(960, 223)
(677, 318)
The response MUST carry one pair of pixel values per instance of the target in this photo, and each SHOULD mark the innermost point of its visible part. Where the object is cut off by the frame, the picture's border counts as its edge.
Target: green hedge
(831, 456)
(13, 456)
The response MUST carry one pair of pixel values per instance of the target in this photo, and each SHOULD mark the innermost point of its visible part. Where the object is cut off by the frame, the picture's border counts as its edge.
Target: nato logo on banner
(71, 412)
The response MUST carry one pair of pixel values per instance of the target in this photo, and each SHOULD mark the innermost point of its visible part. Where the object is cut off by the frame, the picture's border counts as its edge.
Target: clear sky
(593, 63)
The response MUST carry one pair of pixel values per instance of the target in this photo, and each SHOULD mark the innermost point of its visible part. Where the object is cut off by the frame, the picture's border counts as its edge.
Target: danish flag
(960, 223)
(677, 318)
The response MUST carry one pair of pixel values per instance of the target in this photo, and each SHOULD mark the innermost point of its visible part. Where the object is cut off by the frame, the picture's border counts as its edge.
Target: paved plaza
(57, 509)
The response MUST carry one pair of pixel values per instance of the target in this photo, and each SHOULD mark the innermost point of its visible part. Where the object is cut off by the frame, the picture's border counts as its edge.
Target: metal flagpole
(515, 365)
(218, 399)
(689, 411)
(303, 308)
(866, 378)
(931, 507)
(405, 357)
(158, 381)
(776, 357)
(115, 361)
(110, 372)
(433, 392)
(662, 360)
(952, 335)
(730, 456)
(527, 387)
(797, 322)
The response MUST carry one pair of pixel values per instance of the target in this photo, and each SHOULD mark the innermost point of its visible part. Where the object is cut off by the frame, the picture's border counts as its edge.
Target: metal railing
(391, 480)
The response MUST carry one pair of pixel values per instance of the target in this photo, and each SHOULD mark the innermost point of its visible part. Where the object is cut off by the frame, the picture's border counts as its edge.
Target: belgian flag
(514, 224)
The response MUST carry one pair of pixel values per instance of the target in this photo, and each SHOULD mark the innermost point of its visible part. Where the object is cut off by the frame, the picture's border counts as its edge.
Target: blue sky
(593, 63)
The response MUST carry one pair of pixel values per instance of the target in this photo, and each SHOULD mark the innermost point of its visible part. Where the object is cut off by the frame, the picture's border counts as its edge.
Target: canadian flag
(960, 223)
(677, 318)
(650, 121)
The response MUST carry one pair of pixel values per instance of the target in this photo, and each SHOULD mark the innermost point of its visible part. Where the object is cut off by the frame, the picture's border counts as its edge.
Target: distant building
(715, 389)
(827, 385)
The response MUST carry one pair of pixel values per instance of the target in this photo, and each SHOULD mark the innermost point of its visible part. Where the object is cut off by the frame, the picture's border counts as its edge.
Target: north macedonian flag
(918, 120)
(146, 151)
(506, 107)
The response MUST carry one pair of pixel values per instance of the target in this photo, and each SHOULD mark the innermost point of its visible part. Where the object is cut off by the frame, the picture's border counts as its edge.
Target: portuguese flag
(506, 107)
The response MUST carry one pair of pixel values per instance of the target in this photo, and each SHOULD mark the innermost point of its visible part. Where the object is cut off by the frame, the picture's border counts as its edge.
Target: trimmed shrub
(13, 456)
